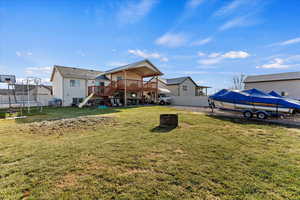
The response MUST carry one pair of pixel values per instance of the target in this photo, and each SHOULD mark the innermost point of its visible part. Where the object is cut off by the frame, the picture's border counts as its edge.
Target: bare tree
(238, 82)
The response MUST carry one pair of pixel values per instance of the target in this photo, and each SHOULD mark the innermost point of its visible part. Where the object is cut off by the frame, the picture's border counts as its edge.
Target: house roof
(152, 70)
(273, 77)
(72, 72)
(202, 86)
(102, 77)
(179, 80)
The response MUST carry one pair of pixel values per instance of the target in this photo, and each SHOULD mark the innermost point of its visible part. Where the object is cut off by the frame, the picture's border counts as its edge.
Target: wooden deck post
(125, 89)
(142, 92)
(156, 96)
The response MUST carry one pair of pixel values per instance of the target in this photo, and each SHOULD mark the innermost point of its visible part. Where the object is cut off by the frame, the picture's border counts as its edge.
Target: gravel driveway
(293, 121)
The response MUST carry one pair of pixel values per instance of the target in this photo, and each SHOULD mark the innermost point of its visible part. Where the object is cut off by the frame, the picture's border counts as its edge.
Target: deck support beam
(125, 88)
(142, 91)
(156, 95)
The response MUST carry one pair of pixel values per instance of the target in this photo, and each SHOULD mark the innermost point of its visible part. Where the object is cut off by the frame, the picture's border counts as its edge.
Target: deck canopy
(143, 68)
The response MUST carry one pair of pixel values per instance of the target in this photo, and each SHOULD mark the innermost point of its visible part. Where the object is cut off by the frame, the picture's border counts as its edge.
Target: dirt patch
(68, 180)
(63, 125)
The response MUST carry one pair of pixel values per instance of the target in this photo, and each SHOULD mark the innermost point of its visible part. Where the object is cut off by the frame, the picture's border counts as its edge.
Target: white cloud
(236, 54)
(201, 54)
(214, 55)
(229, 8)
(235, 22)
(210, 61)
(277, 63)
(281, 63)
(288, 42)
(20, 54)
(38, 71)
(194, 3)
(215, 58)
(134, 11)
(146, 55)
(171, 40)
(202, 41)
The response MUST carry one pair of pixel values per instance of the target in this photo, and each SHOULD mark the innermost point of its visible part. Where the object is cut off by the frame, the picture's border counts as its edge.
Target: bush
(2, 115)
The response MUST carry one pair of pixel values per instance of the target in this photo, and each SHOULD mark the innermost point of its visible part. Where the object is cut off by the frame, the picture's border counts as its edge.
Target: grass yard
(204, 158)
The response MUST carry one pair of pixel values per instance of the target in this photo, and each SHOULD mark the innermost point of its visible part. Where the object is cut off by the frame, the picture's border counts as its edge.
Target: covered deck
(129, 78)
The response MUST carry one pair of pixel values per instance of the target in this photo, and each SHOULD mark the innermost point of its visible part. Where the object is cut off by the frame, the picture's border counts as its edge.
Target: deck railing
(131, 85)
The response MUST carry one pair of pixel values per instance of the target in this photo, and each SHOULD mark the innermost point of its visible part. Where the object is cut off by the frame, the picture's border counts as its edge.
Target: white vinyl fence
(201, 101)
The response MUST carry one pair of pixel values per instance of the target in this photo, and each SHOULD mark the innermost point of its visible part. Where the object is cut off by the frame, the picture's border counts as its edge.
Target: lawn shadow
(160, 129)
(241, 120)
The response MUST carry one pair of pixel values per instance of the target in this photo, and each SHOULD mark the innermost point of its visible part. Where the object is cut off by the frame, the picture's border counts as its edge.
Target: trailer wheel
(248, 114)
(261, 115)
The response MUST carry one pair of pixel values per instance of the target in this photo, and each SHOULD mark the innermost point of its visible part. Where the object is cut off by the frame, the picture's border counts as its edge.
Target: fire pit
(168, 120)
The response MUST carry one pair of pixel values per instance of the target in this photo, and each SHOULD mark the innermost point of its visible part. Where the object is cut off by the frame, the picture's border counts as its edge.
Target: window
(119, 78)
(184, 88)
(74, 83)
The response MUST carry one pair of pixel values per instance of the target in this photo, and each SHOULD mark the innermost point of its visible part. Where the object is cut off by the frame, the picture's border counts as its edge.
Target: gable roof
(273, 77)
(179, 80)
(72, 72)
(134, 65)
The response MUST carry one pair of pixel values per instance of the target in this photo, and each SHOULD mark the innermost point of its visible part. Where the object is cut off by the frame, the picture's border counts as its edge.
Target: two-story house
(125, 84)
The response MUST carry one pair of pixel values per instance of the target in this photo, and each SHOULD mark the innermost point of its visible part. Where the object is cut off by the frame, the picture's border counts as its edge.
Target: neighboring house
(23, 94)
(185, 91)
(286, 84)
(182, 86)
(71, 83)
(124, 84)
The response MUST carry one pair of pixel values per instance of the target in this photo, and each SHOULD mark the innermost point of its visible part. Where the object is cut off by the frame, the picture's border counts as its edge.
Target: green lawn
(204, 158)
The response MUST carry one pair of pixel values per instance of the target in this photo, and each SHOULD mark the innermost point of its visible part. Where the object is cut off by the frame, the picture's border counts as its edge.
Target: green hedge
(2, 115)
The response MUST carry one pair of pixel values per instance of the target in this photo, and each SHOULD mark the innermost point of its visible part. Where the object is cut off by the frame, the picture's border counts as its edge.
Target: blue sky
(209, 40)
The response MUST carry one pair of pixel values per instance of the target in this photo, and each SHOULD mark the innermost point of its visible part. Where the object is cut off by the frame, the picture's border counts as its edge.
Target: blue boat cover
(254, 97)
(275, 94)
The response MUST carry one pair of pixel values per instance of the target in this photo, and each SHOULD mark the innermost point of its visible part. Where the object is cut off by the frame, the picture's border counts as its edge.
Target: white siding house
(286, 84)
(71, 83)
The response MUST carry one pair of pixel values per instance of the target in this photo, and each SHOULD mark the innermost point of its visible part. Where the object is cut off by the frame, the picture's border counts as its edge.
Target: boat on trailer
(254, 102)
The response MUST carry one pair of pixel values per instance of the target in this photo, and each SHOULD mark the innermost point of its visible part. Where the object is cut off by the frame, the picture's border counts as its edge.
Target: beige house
(182, 86)
(122, 85)
(286, 84)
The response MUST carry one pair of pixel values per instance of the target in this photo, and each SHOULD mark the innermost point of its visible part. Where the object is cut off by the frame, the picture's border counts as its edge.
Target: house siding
(191, 89)
(56, 85)
(291, 87)
(177, 90)
(73, 92)
(174, 90)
